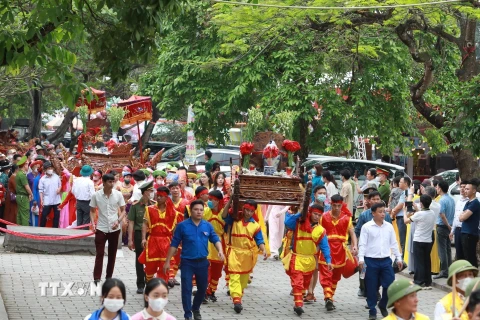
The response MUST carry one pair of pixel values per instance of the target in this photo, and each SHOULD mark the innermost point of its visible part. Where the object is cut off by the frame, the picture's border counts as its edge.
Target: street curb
(434, 284)
(3, 312)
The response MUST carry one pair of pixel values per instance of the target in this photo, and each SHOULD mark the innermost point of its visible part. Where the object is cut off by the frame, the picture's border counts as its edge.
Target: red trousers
(156, 267)
(214, 275)
(329, 279)
(300, 281)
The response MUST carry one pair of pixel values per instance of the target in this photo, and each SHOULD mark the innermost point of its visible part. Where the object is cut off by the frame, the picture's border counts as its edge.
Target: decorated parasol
(137, 109)
(98, 102)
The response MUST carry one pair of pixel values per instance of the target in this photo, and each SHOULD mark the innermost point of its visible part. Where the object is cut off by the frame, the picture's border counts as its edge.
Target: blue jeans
(188, 268)
(379, 273)
(444, 248)
(402, 233)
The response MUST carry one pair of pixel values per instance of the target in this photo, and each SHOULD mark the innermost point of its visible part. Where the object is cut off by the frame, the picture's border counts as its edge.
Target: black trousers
(56, 215)
(2, 213)
(457, 236)
(423, 264)
(469, 246)
(137, 240)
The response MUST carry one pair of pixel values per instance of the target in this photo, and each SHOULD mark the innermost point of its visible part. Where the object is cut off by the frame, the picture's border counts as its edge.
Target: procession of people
(176, 220)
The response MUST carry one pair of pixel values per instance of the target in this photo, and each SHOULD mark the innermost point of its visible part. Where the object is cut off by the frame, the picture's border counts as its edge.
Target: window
(218, 157)
(200, 160)
(455, 191)
(226, 159)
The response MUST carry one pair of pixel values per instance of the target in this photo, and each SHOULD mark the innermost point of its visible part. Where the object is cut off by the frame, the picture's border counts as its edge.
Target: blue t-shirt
(447, 207)
(470, 226)
(194, 239)
(365, 217)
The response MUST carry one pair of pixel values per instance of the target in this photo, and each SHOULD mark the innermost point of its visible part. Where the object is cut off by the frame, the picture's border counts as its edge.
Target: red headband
(312, 210)
(96, 173)
(249, 206)
(338, 201)
(201, 193)
(213, 198)
(162, 194)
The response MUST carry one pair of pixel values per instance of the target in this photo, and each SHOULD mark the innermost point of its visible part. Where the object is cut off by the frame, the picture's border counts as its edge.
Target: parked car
(221, 156)
(174, 154)
(156, 146)
(448, 175)
(66, 138)
(335, 165)
(454, 191)
(178, 152)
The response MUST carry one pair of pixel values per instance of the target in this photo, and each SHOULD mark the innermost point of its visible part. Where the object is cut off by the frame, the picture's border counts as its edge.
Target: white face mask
(152, 195)
(157, 305)
(113, 305)
(50, 172)
(462, 284)
(95, 178)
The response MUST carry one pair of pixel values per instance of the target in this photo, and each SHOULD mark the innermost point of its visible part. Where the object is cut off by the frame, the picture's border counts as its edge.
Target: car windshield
(448, 176)
(173, 153)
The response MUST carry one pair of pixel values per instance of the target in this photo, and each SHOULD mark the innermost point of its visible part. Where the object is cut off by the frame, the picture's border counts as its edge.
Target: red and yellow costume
(216, 265)
(337, 234)
(301, 261)
(161, 225)
(243, 239)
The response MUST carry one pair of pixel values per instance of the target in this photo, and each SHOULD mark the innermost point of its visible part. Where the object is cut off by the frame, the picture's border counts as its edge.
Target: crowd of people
(178, 220)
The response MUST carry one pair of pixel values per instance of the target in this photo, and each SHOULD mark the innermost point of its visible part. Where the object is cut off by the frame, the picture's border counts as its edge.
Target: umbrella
(57, 121)
(138, 109)
(97, 104)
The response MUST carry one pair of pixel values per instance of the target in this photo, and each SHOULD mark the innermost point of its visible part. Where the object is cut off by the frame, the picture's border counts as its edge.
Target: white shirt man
(378, 241)
(111, 211)
(50, 188)
(107, 209)
(83, 188)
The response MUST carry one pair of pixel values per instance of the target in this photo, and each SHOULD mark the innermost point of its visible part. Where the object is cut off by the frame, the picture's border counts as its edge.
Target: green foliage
(39, 34)
(171, 132)
(115, 116)
(228, 59)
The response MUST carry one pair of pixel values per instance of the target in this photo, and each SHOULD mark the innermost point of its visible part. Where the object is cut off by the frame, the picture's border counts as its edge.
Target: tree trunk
(36, 121)
(302, 139)
(151, 125)
(73, 138)
(467, 164)
(63, 128)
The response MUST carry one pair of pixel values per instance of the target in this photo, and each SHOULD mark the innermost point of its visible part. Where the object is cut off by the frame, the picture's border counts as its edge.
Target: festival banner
(191, 150)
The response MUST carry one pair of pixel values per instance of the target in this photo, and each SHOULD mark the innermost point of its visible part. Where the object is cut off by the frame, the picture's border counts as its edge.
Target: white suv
(221, 156)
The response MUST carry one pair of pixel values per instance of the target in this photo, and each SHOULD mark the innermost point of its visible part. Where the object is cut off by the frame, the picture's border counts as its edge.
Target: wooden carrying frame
(270, 190)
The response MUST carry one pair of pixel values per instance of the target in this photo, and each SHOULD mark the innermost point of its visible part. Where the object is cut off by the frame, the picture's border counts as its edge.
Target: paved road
(266, 298)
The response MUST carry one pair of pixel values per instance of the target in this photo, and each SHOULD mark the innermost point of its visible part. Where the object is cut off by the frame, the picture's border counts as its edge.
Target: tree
(284, 70)
(233, 57)
(120, 34)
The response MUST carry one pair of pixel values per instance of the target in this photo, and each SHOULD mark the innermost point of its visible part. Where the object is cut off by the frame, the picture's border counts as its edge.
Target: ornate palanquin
(269, 189)
(120, 156)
